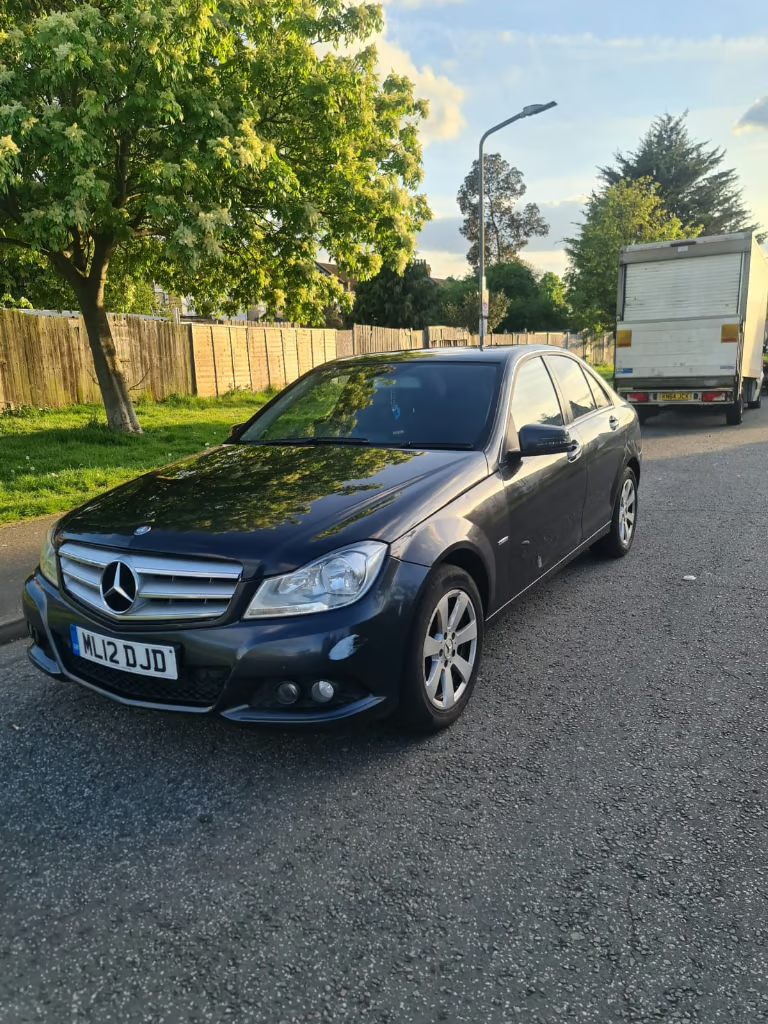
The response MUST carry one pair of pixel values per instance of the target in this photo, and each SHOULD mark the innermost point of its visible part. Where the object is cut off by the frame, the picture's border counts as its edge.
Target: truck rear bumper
(647, 398)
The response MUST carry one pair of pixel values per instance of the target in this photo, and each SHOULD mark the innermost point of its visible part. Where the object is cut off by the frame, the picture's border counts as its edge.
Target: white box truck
(692, 324)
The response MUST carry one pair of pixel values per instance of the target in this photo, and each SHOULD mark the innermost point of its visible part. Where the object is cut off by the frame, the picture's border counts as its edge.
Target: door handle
(614, 423)
(574, 451)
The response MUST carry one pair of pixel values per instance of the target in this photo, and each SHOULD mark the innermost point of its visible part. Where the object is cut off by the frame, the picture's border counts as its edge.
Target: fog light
(323, 691)
(288, 693)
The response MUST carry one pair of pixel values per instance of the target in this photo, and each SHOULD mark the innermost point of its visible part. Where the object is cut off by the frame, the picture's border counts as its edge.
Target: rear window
(599, 393)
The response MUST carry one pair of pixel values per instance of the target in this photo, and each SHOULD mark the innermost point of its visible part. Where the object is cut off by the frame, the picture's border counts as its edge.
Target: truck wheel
(645, 414)
(734, 414)
(758, 401)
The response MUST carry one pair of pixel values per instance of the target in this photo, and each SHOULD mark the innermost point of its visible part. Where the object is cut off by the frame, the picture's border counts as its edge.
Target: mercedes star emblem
(118, 587)
(141, 531)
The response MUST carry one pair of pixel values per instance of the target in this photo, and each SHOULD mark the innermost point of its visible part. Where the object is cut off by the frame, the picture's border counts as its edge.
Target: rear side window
(535, 399)
(599, 393)
(573, 385)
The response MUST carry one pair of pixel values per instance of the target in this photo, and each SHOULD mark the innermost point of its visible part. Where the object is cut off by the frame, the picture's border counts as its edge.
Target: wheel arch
(471, 562)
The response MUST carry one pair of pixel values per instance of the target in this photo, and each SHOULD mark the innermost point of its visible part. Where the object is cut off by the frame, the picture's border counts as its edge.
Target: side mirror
(542, 439)
(234, 429)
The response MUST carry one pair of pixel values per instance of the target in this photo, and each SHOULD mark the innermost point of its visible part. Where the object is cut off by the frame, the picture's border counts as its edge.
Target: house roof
(332, 270)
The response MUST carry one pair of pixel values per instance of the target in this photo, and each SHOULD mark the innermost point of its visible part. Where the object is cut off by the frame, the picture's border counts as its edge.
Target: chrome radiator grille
(167, 587)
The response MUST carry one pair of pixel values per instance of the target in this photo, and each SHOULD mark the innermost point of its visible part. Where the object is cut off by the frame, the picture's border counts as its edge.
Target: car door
(544, 493)
(591, 412)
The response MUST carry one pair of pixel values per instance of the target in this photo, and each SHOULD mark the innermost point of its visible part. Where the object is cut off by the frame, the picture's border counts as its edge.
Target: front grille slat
(167, 587)
(89, 576)
(174, 589)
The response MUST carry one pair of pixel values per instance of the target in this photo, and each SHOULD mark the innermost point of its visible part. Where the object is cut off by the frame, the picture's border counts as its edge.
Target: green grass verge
(54, 459)
(606, 372)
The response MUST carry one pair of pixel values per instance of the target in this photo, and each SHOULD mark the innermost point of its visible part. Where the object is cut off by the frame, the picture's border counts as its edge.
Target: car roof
(492, 354)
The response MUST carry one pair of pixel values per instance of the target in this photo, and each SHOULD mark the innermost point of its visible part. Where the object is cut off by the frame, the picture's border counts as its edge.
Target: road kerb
(12, 629)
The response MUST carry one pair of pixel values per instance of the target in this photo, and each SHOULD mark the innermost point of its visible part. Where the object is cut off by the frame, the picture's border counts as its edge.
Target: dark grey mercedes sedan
(342, 553)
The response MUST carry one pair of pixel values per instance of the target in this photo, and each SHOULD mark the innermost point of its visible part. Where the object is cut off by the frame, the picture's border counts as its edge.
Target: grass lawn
(606, 372)
(52, 460)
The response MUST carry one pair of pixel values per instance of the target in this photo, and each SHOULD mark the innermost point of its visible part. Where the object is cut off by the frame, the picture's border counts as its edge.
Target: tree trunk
(121, 414)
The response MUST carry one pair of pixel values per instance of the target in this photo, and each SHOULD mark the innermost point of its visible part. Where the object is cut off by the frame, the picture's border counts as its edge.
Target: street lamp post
(530, 111)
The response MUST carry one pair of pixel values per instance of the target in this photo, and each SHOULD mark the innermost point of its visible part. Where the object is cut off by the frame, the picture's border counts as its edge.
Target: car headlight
(333, 581)
(48, 565)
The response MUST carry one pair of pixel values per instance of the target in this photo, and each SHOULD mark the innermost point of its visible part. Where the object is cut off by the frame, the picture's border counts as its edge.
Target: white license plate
(141, 659)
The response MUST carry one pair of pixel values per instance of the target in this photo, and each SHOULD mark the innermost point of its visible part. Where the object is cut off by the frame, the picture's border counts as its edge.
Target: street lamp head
(537, 108)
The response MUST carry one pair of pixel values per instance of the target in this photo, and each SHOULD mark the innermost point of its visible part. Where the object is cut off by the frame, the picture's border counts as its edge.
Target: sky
(611, 67)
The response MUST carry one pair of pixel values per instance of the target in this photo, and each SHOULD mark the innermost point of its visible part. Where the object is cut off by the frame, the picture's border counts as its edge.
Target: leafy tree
(397, 300)
(535, 303)
(627, 213)
(555, 314)
(28, 280)
(507, 229)
(459, 305)
(691, 182)
(216, 146)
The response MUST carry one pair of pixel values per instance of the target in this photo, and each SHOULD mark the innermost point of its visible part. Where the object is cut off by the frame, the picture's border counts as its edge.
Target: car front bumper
(234, 669)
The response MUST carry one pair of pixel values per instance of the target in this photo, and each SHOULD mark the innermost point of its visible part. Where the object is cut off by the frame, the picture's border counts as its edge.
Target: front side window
(573, 385)
(534, 399)
(399, 403)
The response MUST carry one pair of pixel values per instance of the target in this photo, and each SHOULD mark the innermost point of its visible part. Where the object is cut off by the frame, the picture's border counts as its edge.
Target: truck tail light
(637, 396)
(729, 333)
(714, 396)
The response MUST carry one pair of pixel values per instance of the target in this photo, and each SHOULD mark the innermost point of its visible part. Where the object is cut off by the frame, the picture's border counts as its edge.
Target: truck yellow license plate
(675, 396)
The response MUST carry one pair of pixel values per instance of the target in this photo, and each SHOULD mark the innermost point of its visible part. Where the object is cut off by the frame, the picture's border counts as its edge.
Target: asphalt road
(589, 843)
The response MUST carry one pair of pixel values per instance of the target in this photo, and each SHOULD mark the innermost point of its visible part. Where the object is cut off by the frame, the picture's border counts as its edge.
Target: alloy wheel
(627, 512)
(450, 649)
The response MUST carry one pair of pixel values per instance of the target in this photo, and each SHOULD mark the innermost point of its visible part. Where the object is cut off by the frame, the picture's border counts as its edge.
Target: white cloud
(755, 117)
(445, 119)
(551, 259)
(444, 264)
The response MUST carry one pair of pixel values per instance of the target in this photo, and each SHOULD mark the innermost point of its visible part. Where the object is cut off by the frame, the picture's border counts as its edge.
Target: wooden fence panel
(275, 357)
(329, 345)
(290, 354)
(366, 339)
(345, 345)
(46, 360)
(204, 361)
(241, 371)
(222, 353)
(259, 363)
(304, 351)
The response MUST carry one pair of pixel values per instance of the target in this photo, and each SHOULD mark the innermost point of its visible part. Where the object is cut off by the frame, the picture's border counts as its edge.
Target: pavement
(589, 843)
(19, 554)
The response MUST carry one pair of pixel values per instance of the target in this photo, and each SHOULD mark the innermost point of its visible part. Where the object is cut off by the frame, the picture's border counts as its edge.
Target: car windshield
(408, 404)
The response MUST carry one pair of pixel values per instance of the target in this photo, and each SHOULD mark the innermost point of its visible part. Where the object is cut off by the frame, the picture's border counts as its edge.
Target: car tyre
(734, 414)
(618, 541)
(444, 652)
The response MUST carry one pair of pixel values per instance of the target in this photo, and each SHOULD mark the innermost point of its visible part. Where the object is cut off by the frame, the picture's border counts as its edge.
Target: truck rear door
(680, 318)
